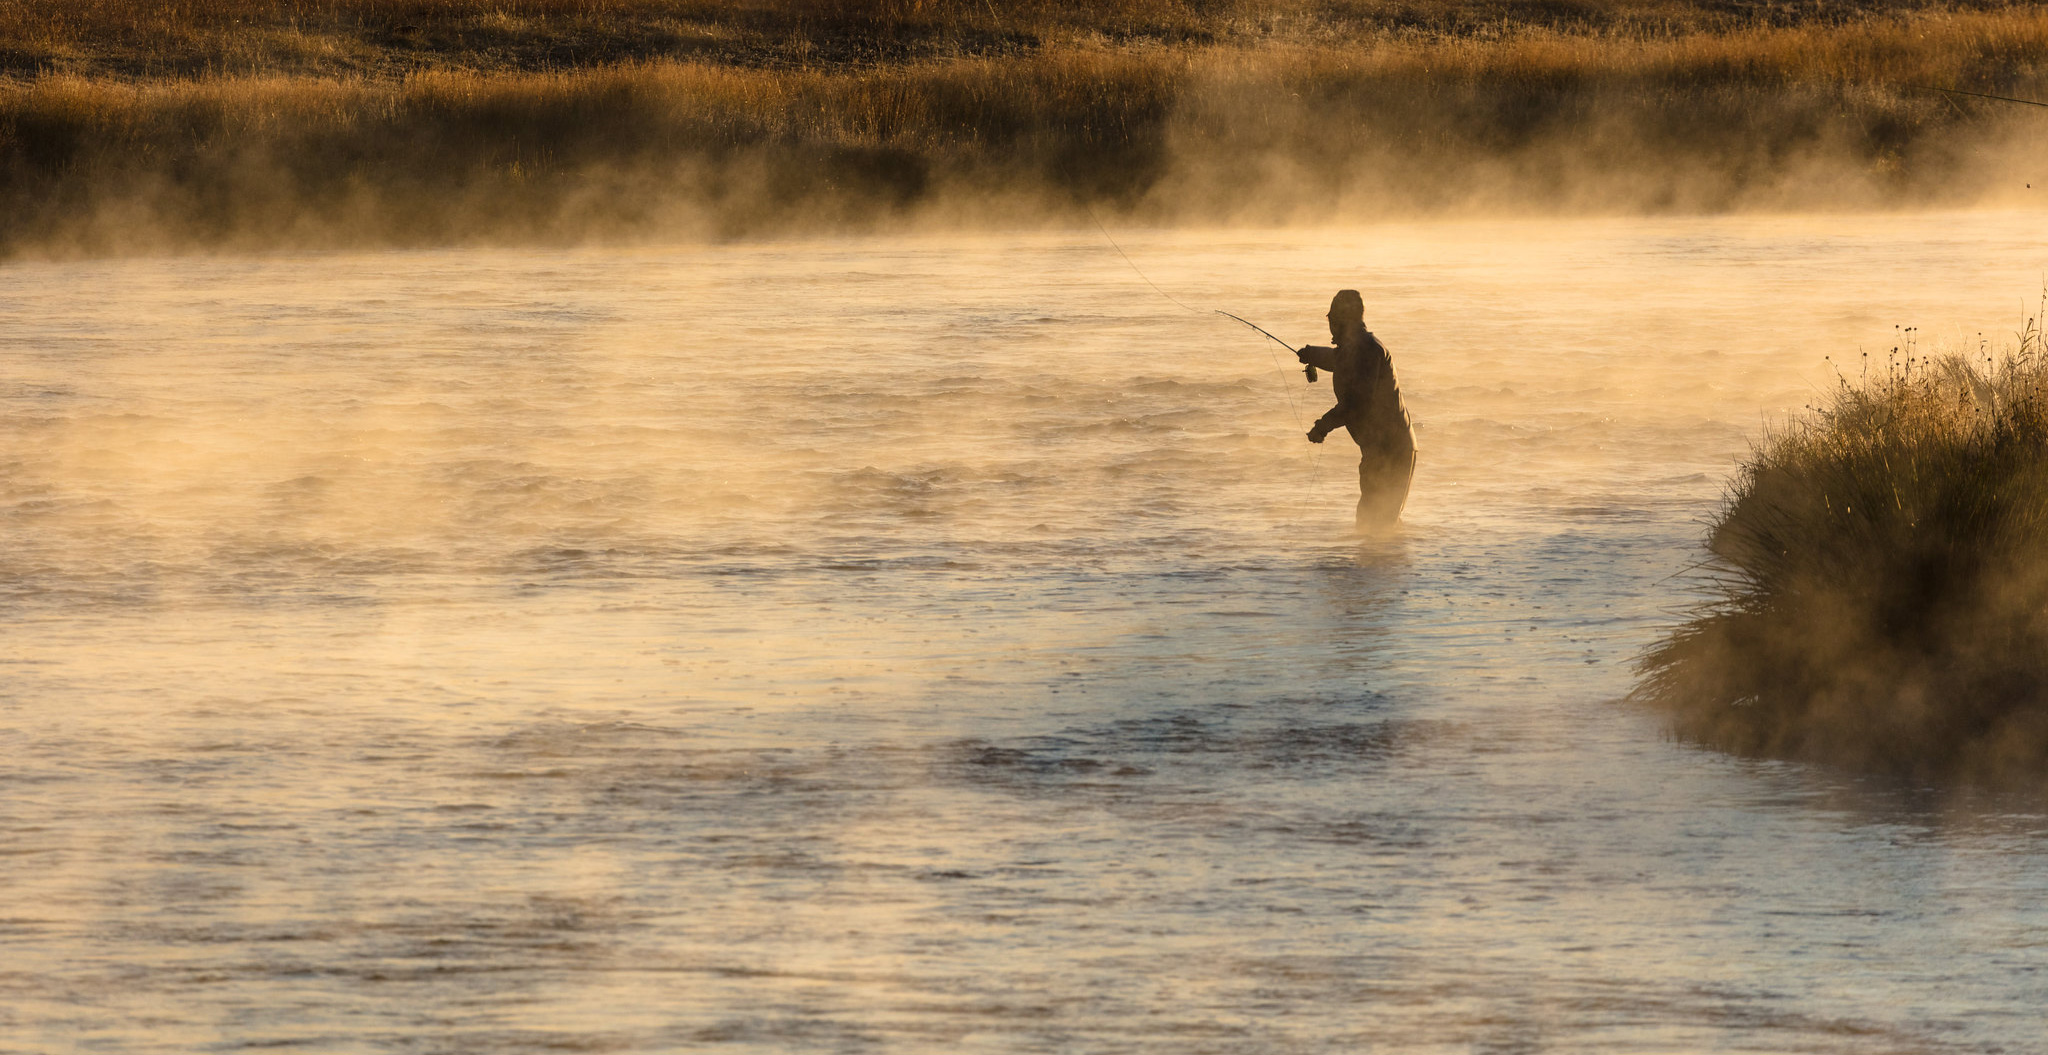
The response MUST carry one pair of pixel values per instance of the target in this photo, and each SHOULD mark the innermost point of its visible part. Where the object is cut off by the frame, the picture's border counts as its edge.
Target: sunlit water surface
(947, 645)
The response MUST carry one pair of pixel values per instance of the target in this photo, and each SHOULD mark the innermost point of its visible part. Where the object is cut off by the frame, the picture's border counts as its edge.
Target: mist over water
(947, 644)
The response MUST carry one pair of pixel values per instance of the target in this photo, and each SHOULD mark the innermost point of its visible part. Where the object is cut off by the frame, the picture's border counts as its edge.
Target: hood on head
(1347, 306)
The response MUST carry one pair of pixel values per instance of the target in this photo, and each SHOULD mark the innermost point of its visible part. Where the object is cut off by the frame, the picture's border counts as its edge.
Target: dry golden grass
(233, 122)
(1880, 581)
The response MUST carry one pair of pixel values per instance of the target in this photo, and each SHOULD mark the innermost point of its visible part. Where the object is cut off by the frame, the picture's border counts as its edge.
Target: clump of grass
(1880, 580)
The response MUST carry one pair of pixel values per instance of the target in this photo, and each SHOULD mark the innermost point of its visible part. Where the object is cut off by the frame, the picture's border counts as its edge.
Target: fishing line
(1975, 95)
(1286, 389)
(1134, 264)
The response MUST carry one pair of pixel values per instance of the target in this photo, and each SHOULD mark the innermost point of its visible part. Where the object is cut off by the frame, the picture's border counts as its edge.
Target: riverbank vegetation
(1880, 580)
(145, 124)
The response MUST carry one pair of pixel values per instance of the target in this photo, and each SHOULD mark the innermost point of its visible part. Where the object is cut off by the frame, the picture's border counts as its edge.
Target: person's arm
(1318, 356)
(1330, 422)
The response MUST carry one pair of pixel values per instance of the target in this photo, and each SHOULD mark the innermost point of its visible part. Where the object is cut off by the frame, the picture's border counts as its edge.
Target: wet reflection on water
(943, 646)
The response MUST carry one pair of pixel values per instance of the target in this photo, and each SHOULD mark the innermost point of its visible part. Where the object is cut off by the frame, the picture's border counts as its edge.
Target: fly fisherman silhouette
(1369, 407)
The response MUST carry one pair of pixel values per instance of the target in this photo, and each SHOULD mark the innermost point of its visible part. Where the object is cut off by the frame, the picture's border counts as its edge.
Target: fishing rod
(1314, 473)
(1309, 370)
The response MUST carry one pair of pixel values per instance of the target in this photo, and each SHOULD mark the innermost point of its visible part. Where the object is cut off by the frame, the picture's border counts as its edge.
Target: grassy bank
(127, 125)
(1880, 574)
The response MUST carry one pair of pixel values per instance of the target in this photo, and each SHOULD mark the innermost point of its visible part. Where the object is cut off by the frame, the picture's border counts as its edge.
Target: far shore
(364, 122)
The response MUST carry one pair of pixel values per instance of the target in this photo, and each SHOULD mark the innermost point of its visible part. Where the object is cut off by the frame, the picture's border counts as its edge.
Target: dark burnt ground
(388, 38)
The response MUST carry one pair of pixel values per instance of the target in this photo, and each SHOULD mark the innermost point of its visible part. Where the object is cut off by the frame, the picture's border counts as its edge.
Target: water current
(948, 645)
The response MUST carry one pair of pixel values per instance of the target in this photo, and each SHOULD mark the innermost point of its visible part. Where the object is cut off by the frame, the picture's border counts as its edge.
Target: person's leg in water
(1384, 472)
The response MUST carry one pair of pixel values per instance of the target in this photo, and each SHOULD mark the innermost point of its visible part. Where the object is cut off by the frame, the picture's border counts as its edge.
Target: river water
(945, 645)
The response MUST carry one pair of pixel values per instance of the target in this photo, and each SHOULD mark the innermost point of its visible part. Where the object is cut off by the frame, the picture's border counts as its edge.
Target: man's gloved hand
(1316, 435)
(1302, 352)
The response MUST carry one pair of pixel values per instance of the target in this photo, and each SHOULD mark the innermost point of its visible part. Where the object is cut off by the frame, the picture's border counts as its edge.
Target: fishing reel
(1310, 372)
